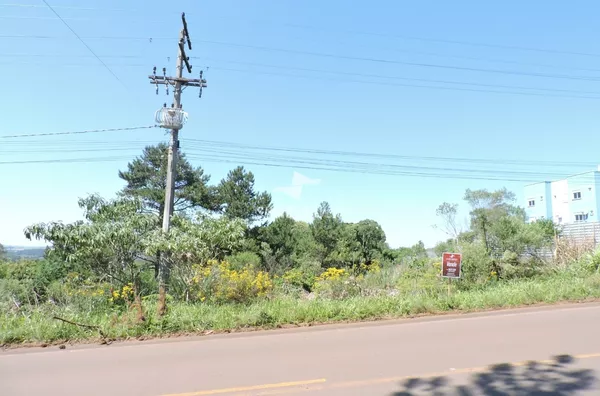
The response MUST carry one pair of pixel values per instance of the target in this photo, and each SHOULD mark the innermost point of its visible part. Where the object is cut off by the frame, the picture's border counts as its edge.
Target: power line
(352, 32)
(406, 85)
(448, 41)
(84, 43)
(22, 36)
(320, 54)
(397, 62)
(99, 145)
(226, 69)
(214, 143)
(285, 161)
(399, 78)
(363, 171)
(77, 132)
(277, 165)
(362, 165)
(335, 72)
(67, 160)
(308, 70)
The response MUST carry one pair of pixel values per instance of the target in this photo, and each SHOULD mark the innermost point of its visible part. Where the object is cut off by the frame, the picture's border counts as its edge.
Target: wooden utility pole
(173, 118)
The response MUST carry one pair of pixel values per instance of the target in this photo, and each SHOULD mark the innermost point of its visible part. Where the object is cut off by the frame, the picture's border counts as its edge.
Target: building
(571, 200)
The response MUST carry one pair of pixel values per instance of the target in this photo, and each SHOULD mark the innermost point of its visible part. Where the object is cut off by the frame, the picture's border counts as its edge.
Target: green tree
(444, 247)
(371, 240)
(326, 229)
(236, 197)
(146, 178)
(112, 241)
(499, 226)
(487, 208)
(290, 243)
(195, 241)
(2, 252)
(281, 236)
(414, 255)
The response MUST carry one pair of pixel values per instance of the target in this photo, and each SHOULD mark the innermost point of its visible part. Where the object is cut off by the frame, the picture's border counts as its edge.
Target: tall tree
(280, 235)
(326, 229)
(371, 239)
(488, 209)
(236, 197)
(146, 178)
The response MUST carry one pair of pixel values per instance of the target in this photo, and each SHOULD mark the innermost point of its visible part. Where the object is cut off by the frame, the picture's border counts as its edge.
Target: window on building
(531, 203)
(581, 217)
(576, 194)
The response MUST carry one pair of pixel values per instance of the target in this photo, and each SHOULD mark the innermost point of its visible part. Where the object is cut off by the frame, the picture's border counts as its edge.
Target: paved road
(434, 356)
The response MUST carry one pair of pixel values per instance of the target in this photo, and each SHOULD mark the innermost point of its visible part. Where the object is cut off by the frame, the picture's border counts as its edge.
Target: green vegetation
(232, 270)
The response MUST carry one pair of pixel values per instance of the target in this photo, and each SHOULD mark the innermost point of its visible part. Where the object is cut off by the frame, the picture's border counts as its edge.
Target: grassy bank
(36, 325)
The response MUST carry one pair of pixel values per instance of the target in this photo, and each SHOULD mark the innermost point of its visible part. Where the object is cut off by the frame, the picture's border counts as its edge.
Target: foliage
(146, 180)
(302, 278)
(280, 236)
(111, 242)
(237, 199)
(326, 229)
(222, 254)
(199, 240)
(244, 259)
(196, 241)
(414, 256)
(218, 282)
(371, 240)
(444, 247)
(332, 274)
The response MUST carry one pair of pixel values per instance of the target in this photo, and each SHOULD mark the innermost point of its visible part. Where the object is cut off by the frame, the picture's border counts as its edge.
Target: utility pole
(173, 118)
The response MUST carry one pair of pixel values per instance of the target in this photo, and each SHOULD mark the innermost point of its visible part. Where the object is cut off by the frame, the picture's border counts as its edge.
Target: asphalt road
(549, 351)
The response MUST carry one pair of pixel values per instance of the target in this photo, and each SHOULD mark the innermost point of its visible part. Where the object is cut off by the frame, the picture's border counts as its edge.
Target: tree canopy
(236, 197)
(146, 179)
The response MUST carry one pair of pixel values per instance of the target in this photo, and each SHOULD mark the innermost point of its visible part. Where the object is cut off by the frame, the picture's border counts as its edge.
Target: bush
(27, 281)
(476, 264)
(243, 260)
(220, 283)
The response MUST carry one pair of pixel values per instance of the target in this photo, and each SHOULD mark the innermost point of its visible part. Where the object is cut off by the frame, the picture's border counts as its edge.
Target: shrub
(243, 260)
(476, 264)
(301, 278)
(220, 283)
(332, 274)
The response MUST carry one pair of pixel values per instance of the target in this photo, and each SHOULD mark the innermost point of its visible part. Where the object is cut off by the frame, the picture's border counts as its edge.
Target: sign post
(451, 267)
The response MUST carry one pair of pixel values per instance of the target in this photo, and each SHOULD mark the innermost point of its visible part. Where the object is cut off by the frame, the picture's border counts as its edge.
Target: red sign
(451, 265)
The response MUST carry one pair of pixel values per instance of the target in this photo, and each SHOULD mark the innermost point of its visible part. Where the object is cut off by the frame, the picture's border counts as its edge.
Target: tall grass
(36, 324)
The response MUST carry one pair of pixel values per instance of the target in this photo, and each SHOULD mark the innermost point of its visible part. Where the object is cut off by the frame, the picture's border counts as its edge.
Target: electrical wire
(84, 43)
(367, 75)
(335, 56)
(337, 72)
(244, 157)
(397, 62)
(77, 132)
(57, 145)
(67, 160)
(364, 165)
(389, 84)
(349, 32)
(215, 143)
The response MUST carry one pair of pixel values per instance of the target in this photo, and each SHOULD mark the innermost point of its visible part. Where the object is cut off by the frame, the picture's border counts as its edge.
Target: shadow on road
(532, 379)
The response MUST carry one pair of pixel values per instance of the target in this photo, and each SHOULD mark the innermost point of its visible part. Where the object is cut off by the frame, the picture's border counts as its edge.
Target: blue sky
(257, 96)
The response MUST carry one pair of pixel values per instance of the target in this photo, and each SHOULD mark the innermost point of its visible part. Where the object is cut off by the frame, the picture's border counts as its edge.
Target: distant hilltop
(24, 252)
